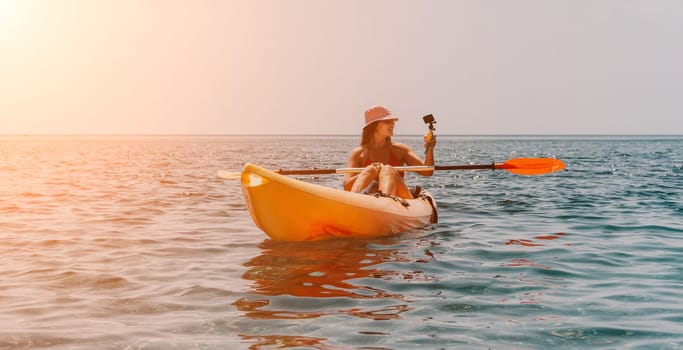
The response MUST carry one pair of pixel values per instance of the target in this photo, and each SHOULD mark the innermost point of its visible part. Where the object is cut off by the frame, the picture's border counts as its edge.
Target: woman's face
(386, 127)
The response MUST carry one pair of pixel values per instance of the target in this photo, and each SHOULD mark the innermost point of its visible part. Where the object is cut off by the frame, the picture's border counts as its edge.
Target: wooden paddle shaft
(348, 170)
(416, 168)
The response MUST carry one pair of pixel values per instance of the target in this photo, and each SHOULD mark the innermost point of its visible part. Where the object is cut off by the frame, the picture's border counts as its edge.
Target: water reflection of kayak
(323, 270)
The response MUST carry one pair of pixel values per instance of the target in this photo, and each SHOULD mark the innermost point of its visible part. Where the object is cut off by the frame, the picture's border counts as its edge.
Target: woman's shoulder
(356, 151)
(356, 157)
(401, 148)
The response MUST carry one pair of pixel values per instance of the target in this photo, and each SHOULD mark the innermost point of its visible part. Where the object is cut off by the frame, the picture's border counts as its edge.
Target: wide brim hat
(377, 113)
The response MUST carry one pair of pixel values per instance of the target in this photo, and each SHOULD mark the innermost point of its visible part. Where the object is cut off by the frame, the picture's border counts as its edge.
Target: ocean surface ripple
(132, 242)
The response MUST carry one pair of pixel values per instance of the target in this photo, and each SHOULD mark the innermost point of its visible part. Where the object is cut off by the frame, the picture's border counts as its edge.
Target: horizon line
(331, 134)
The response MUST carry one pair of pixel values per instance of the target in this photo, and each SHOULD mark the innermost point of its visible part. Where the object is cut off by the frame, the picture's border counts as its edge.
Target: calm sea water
(134, 243)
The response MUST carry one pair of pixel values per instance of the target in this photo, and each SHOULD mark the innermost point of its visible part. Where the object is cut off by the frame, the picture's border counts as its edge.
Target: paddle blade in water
(532, 166)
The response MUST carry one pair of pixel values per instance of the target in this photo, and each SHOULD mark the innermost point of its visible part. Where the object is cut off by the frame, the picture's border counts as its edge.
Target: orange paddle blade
(532, 166)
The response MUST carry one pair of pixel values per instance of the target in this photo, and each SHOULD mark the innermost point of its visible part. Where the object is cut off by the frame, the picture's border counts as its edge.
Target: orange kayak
(292, 210)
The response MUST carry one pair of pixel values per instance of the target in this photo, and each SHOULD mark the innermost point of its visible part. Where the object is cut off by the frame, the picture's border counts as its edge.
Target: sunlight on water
(134, 242)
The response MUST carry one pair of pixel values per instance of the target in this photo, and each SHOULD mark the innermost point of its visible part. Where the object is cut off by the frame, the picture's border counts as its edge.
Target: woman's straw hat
(377, 113)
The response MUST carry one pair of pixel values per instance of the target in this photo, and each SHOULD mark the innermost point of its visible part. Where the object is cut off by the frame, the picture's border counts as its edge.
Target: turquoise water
(134, 243)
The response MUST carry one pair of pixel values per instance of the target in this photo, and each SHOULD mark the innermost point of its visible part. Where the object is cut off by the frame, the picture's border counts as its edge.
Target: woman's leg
(391, 182)
(365, 177)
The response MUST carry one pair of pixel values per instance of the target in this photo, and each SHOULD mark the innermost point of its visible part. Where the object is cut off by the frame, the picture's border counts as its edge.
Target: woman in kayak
(378, 155)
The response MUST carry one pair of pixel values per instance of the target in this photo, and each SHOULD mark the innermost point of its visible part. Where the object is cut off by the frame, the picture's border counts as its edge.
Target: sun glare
(14, 22)
(10, 15)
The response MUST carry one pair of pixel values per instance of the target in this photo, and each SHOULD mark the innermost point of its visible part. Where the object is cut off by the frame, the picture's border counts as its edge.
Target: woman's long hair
(368, 131)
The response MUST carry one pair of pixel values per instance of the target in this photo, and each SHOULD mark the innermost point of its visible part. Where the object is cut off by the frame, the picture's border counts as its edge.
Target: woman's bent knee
(388, 170)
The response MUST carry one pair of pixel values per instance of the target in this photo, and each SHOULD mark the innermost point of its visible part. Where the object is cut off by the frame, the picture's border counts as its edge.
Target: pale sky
(314, 66)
